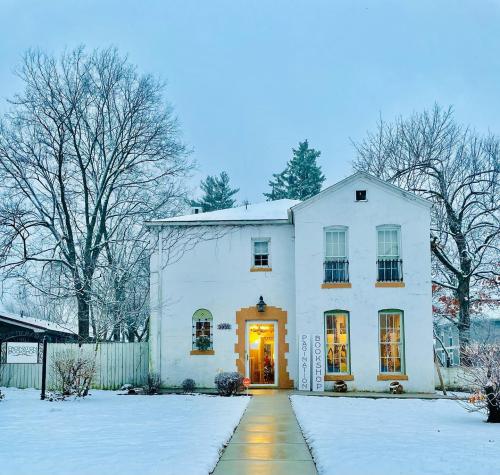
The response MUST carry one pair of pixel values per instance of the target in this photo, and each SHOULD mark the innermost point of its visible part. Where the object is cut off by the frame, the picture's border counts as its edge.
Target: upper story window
(261, 252)
(202, 330)
(336, 264)
(389, 262)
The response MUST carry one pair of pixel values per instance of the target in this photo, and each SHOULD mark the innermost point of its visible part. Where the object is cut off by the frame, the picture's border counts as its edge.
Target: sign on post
(22, 352)
(318, 363)
(305, 362)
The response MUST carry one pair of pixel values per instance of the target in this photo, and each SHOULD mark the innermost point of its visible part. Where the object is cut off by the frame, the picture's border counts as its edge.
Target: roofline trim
(218, 222)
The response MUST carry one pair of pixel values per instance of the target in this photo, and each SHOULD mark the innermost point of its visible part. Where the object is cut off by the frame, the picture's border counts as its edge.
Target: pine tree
(302, 177)
(217, 193)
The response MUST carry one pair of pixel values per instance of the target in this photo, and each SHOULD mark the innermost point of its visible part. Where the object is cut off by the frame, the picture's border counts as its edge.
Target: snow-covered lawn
(110, 434)
(358, 436)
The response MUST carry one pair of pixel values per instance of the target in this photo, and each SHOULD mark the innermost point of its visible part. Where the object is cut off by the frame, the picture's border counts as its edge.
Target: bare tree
(89, 147)
(457, 170)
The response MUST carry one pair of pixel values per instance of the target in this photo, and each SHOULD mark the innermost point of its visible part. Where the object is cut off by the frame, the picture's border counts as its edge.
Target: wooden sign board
(304, 362)
(22, 352)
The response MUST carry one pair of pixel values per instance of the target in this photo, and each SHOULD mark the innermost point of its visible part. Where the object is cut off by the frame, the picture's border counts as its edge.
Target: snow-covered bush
(481, 372)
(229, 383)
(153, 384)
(73, 372)
(188, 385)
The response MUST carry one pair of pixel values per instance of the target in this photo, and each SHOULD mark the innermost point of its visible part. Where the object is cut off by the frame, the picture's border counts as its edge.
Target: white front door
(261, 352)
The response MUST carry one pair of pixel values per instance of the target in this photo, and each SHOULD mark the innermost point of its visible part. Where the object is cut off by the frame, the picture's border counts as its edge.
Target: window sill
(392, 377)
(202, 352)
(389, 284)
(261, 269)
(336, 285)
(339, 377)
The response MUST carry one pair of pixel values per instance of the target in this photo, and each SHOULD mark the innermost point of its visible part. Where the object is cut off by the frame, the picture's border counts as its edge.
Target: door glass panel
(261, 353)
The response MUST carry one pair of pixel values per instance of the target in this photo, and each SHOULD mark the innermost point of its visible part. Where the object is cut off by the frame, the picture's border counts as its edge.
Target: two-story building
(232, 290)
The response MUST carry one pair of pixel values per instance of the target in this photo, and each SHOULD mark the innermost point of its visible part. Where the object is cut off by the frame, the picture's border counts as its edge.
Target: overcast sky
(249, 79)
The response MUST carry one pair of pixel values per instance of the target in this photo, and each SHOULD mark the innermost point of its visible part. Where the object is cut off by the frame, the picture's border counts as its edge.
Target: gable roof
(259, 213)
(376, 181)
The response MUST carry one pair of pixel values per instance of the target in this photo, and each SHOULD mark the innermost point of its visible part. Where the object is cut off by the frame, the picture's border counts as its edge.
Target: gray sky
(249, 79)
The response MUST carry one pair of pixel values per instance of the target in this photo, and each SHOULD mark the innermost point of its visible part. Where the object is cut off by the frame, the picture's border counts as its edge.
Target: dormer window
(360, 195)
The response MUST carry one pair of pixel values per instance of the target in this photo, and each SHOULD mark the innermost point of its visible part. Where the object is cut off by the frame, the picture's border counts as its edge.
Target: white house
(351, 264)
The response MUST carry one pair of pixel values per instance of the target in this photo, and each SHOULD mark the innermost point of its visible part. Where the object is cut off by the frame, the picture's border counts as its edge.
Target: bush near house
(188, 385)
(153, 384)
(229, 384)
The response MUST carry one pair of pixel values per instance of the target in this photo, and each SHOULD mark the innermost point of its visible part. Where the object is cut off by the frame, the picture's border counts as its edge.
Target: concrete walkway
(268, 440)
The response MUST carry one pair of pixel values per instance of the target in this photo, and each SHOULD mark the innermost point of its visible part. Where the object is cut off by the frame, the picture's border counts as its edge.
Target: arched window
(391, 341)
(337, 342)
(202, 330)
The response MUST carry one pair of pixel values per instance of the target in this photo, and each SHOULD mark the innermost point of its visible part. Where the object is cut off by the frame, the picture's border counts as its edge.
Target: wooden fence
(116, 364)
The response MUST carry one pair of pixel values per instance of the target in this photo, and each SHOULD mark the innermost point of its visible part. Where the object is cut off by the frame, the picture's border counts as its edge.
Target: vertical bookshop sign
(318, 363)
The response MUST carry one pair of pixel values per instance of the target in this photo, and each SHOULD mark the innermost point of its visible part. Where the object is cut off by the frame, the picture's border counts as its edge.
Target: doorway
(261, 352)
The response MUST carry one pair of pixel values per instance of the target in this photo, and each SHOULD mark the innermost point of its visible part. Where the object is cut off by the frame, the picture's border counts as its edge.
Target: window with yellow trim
(391, 341)
(337, 342)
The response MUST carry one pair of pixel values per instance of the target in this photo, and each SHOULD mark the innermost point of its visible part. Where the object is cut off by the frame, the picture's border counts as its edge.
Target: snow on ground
(111, 434)
(358, 436)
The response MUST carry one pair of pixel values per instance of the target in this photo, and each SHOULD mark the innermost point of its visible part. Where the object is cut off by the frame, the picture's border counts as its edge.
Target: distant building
(12, 325)
(482, 330)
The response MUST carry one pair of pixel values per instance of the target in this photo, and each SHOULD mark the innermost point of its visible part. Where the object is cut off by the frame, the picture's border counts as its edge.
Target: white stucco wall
(216, 275)
(364, 300)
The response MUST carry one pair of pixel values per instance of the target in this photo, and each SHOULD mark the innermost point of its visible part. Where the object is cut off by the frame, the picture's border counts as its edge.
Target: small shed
(12, 325)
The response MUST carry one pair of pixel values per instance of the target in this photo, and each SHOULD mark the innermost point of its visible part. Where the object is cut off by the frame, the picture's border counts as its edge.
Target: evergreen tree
(302, 177)
(217, 193)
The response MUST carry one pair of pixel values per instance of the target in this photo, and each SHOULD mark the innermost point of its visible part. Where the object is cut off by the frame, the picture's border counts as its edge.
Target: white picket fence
(116, 365)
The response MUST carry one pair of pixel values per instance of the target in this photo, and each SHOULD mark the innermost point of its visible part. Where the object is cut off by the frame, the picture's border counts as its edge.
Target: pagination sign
(304, 362)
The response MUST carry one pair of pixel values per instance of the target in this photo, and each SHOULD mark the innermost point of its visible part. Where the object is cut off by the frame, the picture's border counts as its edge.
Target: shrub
(73, 371)
(203, 343)
(481, 373)
(1, 395)
(188, 385)
(229, 383)
(153, 384)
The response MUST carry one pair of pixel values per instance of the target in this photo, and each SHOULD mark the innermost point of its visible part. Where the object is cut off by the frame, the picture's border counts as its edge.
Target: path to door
(268, 440)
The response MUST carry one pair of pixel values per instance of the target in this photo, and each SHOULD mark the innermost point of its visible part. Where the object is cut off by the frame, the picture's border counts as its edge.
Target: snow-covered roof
(35, 324)
(268, 211)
